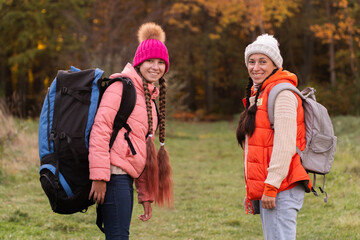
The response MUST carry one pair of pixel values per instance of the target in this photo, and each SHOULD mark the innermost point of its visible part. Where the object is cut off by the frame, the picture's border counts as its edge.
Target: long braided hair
(165, 193)
(158, 168)
(246, 125)
(151, 167)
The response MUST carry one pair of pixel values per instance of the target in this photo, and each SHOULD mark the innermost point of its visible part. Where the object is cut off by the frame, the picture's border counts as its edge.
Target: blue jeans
(117, 207)
(280, 222)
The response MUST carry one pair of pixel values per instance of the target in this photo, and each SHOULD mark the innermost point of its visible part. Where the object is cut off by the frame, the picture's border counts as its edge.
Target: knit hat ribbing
(265, 44)
(151, 38)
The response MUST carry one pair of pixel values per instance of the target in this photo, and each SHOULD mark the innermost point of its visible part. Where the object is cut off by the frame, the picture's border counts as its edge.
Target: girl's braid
(246, 124)
(250, 114)
(165, 195)
(241, 129)
(151, 167)
(162, 112)
(248, 93)
(148, 105)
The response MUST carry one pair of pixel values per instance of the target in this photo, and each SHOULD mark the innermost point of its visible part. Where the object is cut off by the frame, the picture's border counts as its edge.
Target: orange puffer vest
(260, 144)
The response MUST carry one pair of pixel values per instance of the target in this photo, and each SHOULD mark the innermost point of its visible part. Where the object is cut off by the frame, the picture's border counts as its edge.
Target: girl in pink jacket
(114, 171)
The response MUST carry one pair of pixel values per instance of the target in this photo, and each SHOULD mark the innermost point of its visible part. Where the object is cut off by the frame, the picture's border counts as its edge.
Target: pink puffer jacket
(120, 154)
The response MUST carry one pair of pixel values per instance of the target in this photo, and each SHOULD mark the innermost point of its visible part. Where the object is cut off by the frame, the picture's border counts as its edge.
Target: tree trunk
(331, 48)
(191, 90)
(261, 25)
(208, 87)
(353, 62)
(208, 69)
(308, 44)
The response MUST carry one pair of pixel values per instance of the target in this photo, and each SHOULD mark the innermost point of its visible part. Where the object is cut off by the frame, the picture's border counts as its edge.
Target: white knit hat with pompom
(265, 44)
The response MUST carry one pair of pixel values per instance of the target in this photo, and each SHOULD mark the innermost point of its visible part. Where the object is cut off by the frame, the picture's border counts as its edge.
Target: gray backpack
(318, 155)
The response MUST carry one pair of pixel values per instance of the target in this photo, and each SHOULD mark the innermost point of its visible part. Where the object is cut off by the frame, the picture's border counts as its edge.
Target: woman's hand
(268, 202)
(248, 206)
(97, 192)
(245, 203)
(147, 211)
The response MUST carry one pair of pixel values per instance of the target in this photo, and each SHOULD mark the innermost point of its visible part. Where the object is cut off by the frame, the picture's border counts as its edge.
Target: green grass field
(208, 190)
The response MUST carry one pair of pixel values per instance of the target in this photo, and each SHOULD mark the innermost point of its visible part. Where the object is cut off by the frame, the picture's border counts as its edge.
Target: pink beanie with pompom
(151, 38)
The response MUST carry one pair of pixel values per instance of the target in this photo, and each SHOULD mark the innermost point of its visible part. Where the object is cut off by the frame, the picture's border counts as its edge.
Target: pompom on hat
(265, 44)
(151, 38)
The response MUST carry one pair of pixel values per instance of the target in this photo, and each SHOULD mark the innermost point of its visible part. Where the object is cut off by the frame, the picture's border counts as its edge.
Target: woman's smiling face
(153, 69)
(260, 67)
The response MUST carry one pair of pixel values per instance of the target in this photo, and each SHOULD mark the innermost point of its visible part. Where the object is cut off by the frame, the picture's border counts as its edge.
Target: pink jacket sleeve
(143, 194)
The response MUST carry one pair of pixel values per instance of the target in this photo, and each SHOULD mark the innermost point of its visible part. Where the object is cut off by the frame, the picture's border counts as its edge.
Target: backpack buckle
(62, 135)
(64, 90)
(52, 135)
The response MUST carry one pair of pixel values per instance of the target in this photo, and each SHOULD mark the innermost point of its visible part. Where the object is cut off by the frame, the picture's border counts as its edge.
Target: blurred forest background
(206, 39)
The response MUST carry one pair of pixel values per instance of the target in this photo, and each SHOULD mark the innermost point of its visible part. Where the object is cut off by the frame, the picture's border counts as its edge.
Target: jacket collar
(279, 74)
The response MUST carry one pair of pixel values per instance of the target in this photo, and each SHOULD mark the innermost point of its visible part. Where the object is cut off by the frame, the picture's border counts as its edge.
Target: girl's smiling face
(260, 67)
(153, 69)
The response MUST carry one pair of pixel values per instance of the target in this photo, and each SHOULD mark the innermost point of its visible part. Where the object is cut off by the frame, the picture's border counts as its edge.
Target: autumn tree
(208, 27)
(40, 37)
(194, 51)
(115, 25)
(206, 40)
(36, 40)
(340, 31)
(348, 31)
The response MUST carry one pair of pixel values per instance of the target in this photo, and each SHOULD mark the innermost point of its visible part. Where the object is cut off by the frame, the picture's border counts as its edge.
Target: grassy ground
(208, 186)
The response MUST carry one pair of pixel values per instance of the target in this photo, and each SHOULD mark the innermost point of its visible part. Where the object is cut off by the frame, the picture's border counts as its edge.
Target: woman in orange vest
(275, 180)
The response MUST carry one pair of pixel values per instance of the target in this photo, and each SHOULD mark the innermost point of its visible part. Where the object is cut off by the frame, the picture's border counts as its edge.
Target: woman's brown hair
(246, 125)
(165, 193)
(158, 169)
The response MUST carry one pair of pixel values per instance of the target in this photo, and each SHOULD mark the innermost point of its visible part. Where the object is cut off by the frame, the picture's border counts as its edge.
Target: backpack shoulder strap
(127, 105)
(271, 102)
(272, 96)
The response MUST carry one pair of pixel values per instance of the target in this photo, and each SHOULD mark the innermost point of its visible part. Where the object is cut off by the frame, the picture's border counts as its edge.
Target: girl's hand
(97, 192)
(147, 211)
(268, 202)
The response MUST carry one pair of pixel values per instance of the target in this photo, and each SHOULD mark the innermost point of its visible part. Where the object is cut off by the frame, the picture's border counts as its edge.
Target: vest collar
(277, 74)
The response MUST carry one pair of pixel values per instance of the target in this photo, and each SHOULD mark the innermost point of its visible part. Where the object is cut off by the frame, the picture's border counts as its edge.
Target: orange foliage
(343, 23)
(184, 116)
(251, 14)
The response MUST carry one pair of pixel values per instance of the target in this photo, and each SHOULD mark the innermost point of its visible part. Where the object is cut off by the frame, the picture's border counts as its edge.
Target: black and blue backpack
(66, 120)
